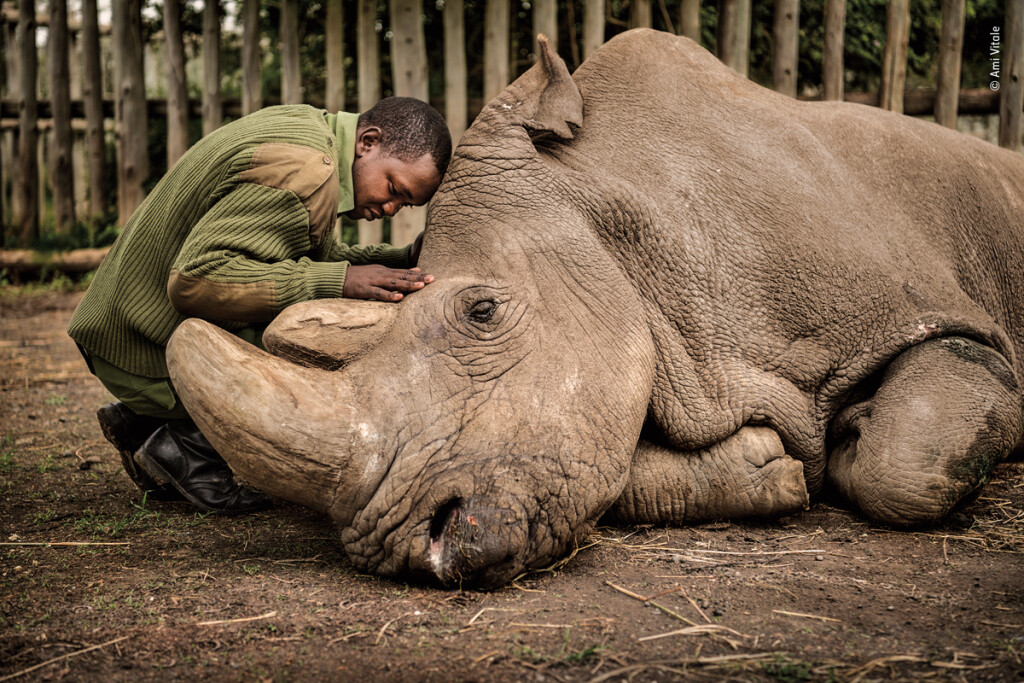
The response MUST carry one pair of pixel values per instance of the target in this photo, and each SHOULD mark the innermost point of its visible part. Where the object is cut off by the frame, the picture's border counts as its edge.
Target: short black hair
(409, 129)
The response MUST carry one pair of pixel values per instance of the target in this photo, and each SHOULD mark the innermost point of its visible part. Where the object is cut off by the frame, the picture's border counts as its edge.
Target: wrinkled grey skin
(700, 300)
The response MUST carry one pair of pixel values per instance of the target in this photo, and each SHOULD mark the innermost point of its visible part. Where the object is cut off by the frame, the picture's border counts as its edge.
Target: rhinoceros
(663, 294)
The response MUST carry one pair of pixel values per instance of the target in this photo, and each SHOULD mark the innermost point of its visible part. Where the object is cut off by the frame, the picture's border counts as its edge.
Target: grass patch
(7, 453)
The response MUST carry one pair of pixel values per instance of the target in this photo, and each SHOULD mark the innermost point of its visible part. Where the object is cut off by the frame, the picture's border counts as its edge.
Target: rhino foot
(745, 475)
(945, 413)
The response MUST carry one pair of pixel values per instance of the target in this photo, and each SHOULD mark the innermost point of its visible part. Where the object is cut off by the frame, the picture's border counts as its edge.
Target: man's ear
(367, 139)
(545, 99)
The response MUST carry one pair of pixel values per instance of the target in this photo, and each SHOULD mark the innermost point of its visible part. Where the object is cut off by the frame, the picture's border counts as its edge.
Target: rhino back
(788, 250)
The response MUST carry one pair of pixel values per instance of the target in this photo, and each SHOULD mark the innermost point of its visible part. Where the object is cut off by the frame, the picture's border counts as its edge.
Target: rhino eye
(482, 311)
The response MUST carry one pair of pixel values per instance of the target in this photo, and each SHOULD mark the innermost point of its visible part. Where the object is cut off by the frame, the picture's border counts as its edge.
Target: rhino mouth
(473, 544)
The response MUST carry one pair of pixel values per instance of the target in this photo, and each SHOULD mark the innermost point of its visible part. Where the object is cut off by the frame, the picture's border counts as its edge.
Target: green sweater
(240, 228)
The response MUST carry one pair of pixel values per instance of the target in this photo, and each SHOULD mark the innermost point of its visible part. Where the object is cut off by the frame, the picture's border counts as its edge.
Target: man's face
(383, 184)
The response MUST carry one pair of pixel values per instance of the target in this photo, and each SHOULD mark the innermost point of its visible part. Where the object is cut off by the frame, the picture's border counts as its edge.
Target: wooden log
(61, 170)
(92, 96)
(894, 58)
(545, 20)
(177, 88)
(334, 94)
(785, 35)
(496, 47)
(26, 186)
(640, 14)
(252, 63)
(213, 114)
(832, 81)
(291, 79)
(689, 19)
(130, 107)
(409, 77)
(1011, 78)
(455, 73)
(31, 262)
(368, 64)
(593, 26)
(951, 47)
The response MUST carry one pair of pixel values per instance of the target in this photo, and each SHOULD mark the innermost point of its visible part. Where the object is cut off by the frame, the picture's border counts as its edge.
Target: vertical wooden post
(640, 14)
(368, 63)
(574, 39)
(409, 76)
(212, 111)
(734, 34)
(177, 88)
(455, 75)
(26, 182)
(1011, 78)
(689, 19)
(832, 55)
(252, 62)
(291, 79)
(92, 94)
(61, 171)
(785, 36)
(130, 107)
(78, 153)
(496, 48)
(334, 96)
(894, 59)
(593, 26)
(951, 47)
(545, 20)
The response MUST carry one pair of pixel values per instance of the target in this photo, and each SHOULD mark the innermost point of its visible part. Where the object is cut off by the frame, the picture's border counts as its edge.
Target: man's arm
(246, 260)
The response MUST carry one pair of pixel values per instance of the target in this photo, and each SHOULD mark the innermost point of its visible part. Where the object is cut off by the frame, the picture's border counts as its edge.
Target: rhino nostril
(442, 516)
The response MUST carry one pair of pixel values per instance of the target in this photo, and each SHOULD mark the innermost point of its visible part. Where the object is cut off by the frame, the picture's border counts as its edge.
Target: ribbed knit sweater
(240, 228)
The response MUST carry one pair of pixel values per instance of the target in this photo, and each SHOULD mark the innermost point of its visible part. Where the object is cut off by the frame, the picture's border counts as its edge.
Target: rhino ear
(545, 99)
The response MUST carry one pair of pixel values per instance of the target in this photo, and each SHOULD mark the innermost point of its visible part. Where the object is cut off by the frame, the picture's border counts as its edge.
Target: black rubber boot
(127, 430)
(178, 454)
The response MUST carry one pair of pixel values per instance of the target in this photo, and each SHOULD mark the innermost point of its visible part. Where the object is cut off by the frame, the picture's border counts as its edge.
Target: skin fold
(661, 292)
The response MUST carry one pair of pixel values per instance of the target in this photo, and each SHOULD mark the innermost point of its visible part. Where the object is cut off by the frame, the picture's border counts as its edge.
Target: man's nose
(391, 208)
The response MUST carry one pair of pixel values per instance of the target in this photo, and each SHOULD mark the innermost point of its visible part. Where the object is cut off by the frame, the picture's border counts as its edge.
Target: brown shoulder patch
(309, 173)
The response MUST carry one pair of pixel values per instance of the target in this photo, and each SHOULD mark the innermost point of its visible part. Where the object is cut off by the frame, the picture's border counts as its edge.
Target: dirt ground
(95, 584)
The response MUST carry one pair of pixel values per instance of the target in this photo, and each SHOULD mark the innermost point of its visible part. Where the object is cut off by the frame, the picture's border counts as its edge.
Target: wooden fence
(84, 105)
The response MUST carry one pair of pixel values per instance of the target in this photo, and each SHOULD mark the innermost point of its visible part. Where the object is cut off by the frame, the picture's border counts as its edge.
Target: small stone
(890, 608)
(819, 558)
(678, 559)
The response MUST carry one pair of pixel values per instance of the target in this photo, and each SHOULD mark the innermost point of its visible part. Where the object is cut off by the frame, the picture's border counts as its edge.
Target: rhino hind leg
(745, 475)
(945, 412)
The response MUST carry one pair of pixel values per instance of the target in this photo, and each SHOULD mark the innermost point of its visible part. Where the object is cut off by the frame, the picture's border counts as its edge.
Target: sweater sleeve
(245, 260)
(383, 254)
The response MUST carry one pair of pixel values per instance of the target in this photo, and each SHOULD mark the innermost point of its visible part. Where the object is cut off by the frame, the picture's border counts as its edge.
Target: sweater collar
(344, 126)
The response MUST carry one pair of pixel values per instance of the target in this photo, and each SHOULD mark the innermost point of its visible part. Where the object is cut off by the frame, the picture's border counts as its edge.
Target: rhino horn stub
(545, 99)
(328, 333)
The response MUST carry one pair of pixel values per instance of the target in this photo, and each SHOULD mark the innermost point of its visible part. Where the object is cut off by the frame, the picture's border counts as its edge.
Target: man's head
(402, 151)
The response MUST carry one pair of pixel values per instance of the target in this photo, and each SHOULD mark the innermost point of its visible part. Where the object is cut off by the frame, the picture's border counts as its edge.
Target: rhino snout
(475, 544)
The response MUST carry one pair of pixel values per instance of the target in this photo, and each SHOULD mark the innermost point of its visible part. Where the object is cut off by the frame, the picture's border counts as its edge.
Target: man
(238, 229)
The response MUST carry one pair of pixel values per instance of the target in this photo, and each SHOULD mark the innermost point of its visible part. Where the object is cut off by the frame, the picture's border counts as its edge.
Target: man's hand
(381, 283)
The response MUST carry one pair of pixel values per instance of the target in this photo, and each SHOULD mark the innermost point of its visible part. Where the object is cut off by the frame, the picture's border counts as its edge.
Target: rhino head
(480, 427)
